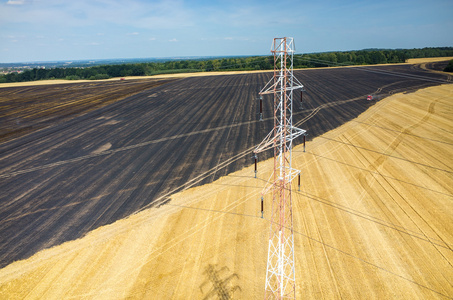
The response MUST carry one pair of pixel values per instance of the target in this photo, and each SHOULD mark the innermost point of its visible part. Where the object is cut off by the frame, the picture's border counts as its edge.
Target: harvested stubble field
(62, 182)
(373, 219)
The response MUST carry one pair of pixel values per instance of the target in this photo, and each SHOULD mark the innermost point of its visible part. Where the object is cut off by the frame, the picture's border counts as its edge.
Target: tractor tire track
(57, 185)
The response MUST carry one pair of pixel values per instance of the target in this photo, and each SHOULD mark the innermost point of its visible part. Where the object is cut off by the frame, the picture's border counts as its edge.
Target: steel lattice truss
(280, 274)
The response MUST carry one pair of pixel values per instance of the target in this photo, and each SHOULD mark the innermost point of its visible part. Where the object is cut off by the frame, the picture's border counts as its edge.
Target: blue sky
(46, 30)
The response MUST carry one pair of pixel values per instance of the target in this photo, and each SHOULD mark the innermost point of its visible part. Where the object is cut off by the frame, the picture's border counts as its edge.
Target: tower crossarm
(276, 86)
(272, 139)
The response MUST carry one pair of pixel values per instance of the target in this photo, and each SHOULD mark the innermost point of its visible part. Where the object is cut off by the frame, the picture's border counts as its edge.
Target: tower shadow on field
(220, 285)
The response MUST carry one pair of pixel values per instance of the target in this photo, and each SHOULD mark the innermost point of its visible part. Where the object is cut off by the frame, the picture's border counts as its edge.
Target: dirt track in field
(63, 181)
(373, 219)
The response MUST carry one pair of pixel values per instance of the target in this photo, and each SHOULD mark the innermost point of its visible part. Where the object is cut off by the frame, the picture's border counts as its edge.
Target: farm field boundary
(367, 224)
(198, 74)
(61, 182)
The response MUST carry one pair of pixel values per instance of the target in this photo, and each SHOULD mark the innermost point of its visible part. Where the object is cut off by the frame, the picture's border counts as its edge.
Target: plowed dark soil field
(30, 108)
(72, 176)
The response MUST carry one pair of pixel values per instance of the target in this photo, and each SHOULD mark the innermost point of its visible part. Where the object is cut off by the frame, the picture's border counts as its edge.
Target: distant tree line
(313, 60)
(369, 57)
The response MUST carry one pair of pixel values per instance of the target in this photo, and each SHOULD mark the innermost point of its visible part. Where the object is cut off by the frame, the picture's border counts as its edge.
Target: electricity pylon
(280, 274)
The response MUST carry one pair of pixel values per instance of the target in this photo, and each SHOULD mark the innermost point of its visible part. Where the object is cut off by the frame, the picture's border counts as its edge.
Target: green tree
(209, 66)
(449, 67)
(377, 57)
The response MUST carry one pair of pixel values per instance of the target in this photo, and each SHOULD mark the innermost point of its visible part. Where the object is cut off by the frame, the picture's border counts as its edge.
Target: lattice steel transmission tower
(280, 274)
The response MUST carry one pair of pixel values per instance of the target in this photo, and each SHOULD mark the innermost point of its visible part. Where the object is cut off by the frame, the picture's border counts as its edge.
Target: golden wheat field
(373, 220)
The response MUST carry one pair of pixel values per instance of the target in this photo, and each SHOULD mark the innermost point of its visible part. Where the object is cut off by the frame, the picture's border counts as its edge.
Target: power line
(336, 64)
(374, 70)
(388, 155)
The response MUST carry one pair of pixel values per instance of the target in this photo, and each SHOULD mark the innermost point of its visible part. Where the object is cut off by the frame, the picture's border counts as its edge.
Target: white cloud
(15, 2)
(135, 14)
(204, 27)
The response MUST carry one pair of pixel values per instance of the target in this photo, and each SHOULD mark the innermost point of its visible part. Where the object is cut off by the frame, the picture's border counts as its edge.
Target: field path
(83, 155)
(373, 219)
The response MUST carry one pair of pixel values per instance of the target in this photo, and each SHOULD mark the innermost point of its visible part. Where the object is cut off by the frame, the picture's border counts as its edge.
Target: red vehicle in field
(369, 98)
